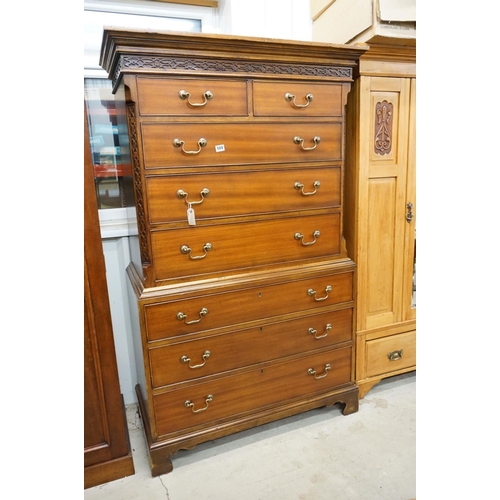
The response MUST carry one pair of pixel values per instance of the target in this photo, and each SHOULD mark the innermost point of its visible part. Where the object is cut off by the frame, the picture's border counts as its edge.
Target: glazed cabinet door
(383, 231)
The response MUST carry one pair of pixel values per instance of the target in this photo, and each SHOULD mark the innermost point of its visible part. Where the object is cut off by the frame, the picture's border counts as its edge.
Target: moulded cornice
(125, 50)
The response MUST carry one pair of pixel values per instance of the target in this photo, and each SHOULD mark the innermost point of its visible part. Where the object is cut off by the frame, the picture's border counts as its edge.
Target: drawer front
(238, 143)
(195, 251)
(219, 353)
(392, 353)
(239, 393)
(242, 193)
(296, 99)
(185, 316)
(206, 97)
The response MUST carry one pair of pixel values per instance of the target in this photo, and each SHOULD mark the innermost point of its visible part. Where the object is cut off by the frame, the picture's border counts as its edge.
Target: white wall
(286, 19)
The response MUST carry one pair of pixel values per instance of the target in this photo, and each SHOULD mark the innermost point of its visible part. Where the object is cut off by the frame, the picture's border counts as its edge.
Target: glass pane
(109, 145)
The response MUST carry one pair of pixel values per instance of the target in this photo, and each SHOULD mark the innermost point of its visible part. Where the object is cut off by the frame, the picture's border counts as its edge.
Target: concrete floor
(318, 455)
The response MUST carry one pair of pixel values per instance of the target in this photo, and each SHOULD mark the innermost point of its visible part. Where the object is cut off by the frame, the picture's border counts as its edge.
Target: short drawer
(202, 250)
(266, 385)
(185, 97)
(393, 353)
(242, 193)
(219, 353)
(203, 313)
(208, 144)
(296, 99)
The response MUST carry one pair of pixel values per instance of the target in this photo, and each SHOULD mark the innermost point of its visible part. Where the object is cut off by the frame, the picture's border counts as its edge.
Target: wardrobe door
(107, 454)
(383, 186)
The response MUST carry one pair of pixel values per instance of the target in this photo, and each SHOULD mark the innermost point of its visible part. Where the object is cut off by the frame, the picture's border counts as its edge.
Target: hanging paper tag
(190, 216)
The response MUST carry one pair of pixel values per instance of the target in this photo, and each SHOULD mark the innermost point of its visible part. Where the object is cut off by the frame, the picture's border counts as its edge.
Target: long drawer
(197, 251)
(242, 193)
(192, 97)
(269, 384)
(296, 99)
(202, 313)
(208, 355)
(208, 144)
(393, 353)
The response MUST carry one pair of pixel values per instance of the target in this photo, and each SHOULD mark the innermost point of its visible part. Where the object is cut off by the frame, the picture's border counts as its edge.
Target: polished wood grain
(160, 97)
(243, 193)
(246, 347)
(253, 294)
(249, 244)
(269, 99)
(243, 143)
(380, 181)
(244, 305)
(268, 384)
(379, 361)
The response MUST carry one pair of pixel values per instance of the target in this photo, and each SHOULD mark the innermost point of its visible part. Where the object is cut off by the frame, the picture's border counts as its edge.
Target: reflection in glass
(109, 144)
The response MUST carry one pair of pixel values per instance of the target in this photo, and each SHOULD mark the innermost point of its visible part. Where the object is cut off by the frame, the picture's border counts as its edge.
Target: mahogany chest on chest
(242, 288)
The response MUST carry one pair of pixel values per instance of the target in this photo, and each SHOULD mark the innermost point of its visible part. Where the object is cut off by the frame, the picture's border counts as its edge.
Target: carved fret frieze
(139, 196)
(222, 66)
(383, 127)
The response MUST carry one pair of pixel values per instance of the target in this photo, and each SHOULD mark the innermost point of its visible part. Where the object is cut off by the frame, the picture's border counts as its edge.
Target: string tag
(190, 216)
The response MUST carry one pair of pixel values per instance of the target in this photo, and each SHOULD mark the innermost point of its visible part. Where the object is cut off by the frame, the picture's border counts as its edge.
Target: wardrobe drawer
(219, 353)
(180, 144)
(296, 99)
(200, 250)
(206, 97)
(207, 312)
(225, 397)
(391, 353)
(242, 193)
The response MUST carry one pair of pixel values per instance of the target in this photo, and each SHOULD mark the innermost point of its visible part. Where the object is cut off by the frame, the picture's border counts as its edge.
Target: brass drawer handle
(206, 248)
(180, 144)
(314, 332)
(316, 185)
(291, 98)
(395, 355)
(299, 236)
(189, 404)
(312, 292)
(185, 359)
(317, 377)
(181, 316)
(207, 95)
(203, 193)
(299, 140)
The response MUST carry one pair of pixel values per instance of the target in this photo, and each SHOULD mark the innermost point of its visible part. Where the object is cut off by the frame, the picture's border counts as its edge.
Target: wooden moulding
(154, 52)
(161, 451)
(394, 57)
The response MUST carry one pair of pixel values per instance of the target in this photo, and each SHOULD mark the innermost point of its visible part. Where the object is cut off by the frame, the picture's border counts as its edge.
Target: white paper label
(220, 148)
(190, 216)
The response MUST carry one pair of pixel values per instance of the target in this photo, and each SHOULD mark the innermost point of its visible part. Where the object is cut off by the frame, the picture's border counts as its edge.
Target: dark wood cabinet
(107, 454)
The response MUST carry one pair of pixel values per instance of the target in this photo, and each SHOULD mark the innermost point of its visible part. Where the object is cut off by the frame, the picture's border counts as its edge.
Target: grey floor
(318, 455)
